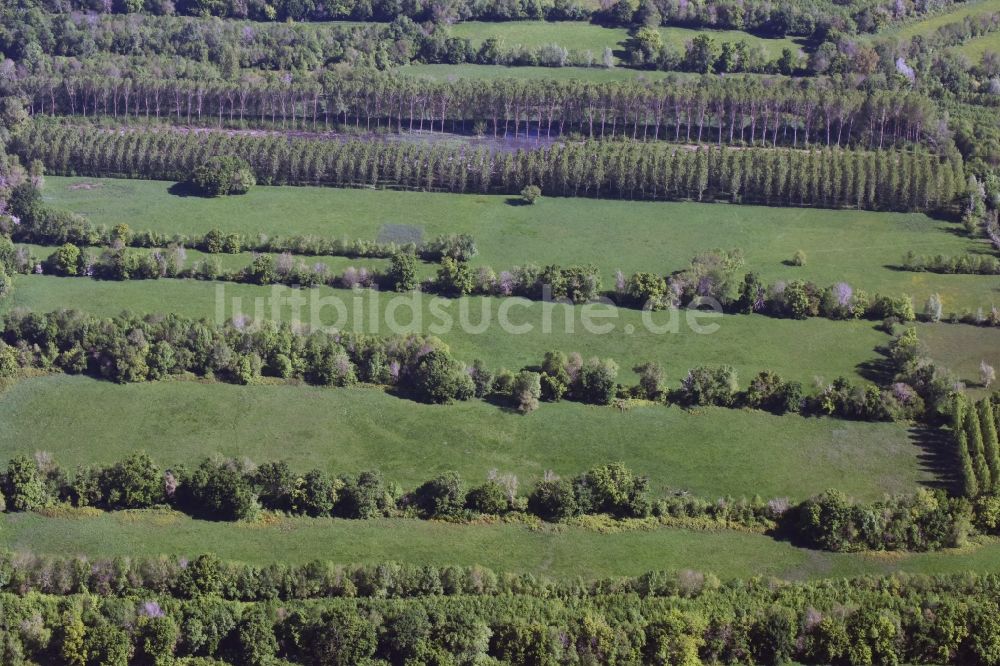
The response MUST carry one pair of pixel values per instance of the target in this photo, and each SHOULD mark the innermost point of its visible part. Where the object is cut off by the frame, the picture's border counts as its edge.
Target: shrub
(933, 309)
(530, 194)
(261, 270)
(460, 247)
(710, 386)
(363, 497)
(402, 273)
(315, 494)
(647, 290)
(440, 378)
(220, 491)
(769, 392)
(799, 258)
(454, 277)
(884, 307)
(596, 382)
(489, 498)
(651, 381)
(440, 497)
(133, 483)
(23, 486)
(526, 391)
(616, 490)
(65, 261)
(553, 499)
(482, 378)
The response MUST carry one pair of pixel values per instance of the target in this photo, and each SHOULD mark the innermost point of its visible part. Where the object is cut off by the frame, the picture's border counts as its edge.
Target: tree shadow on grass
(936, 456)
(877, 370)
(406, 394)
(516, 201)
(502, 403)
(185, 189)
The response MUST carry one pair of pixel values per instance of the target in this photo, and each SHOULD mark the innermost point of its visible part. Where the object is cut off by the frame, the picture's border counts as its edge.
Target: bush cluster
(234, 490)
(924, 521)
(974, 264)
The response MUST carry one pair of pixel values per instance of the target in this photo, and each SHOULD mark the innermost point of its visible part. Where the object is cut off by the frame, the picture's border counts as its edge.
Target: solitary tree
(403, 272)
(530, 194)
(219, 176)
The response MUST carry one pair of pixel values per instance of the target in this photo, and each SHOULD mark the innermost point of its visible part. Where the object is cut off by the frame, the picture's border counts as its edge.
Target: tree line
(965, 264)
(167, 48)
(131, 349)
(885, 180)
(893, 619)
(869, 620)
(974, 428)
(807, 17)
(574, 284)
(231, 491)
(745, 111)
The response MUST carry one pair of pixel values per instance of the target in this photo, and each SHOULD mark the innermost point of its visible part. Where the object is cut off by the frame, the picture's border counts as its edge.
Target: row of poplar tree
(747, 110)
(974, 427)
(884, 180)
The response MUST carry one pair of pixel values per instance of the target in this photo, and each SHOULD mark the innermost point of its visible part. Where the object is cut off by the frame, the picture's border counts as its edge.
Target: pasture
(860, 247)
(437, 72)
(554, 552)
(710, 452)
(580, 36)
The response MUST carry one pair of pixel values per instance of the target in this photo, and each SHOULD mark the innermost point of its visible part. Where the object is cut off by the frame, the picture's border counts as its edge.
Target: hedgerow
(234, 490)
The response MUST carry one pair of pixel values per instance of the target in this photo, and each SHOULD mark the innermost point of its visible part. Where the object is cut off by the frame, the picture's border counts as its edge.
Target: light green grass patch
(961, 349)
(928, 25)
(566, 553)
(974, 49)
(490, 72)
(580, 36)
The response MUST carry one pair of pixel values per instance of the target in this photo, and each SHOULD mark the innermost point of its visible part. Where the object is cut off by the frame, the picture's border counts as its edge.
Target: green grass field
(558, 553)
(580, 36)
(854, 246)
(975, 48)
(961, 349)
(489, 72)
(710, 452)
(928, 25)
